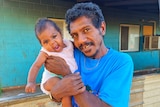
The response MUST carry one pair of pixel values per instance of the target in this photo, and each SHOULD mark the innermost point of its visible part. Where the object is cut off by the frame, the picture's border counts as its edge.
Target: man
(104, 75)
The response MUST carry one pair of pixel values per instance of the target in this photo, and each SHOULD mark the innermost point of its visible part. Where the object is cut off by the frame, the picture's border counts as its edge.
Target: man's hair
(42, 24)
(88, 9)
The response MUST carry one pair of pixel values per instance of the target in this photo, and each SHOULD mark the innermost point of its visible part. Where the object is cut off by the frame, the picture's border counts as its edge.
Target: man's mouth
(85, 46)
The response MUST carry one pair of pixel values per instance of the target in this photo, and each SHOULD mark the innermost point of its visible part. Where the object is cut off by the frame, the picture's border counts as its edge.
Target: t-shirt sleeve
(115, 89)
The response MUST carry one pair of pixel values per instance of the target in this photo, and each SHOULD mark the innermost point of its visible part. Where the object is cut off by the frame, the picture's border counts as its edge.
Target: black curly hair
(88, 9)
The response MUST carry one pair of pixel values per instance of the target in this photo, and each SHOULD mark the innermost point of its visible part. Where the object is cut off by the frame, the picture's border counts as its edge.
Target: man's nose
(82, 38)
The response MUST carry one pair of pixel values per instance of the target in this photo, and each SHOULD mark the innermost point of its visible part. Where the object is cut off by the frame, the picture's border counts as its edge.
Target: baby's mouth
(56, 47)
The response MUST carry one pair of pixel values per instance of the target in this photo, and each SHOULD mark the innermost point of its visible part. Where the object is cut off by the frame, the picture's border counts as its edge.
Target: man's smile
(86, 46)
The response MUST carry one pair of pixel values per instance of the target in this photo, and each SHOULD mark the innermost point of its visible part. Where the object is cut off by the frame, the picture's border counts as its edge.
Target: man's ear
(103, 28)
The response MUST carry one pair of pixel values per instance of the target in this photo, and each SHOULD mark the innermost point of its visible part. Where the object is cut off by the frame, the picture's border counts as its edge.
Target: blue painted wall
(142, 59)
(19, 46)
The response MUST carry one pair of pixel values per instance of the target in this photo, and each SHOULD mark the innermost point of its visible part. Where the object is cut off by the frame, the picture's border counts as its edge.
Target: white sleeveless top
(66, 54)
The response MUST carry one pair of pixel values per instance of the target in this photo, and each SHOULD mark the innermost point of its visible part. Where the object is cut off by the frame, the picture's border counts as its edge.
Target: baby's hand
(30, 87)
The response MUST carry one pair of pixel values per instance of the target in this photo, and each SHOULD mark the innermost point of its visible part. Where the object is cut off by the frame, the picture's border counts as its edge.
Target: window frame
(64, 30)
(133, 42)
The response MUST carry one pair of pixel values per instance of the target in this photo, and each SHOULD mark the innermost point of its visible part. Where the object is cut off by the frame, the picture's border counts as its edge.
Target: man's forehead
(80, 23)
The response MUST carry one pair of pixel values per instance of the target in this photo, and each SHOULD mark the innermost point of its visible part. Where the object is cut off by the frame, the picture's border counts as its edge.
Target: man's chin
(89, 55)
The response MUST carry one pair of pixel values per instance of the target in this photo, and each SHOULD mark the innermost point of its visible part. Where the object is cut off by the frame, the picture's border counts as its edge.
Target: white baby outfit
(67, 55)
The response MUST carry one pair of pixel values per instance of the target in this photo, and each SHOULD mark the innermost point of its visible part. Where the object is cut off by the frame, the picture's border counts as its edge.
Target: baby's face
(51, 39)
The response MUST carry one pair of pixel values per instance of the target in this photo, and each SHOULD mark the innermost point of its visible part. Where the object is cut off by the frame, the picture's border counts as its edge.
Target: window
(129, 37)
(147, 30)
(61, 23)
(151, 42)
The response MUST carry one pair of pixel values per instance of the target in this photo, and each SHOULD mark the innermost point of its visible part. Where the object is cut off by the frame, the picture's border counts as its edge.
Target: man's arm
(57, 65)
(87, 99)
(68, 86)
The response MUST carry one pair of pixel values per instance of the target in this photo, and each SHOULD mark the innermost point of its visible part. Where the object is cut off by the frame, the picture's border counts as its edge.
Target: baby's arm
(31, 84)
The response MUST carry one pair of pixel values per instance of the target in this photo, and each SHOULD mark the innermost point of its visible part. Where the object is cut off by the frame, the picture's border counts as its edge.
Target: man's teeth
(86, 46)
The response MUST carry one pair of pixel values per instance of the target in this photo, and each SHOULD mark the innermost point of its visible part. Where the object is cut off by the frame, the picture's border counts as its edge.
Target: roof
(151, 6)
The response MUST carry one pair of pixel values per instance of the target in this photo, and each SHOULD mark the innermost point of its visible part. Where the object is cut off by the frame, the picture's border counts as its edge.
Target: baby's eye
(54, 36)
(45, 42)
(74, 36)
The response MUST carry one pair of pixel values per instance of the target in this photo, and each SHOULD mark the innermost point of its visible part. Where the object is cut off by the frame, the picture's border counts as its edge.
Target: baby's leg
(66, 102)
(50, 83)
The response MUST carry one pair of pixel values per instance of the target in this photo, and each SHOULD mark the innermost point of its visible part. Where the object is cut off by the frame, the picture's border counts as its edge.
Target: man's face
(86, 37)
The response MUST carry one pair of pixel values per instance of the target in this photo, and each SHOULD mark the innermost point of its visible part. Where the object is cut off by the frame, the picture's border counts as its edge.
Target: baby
(53, 44)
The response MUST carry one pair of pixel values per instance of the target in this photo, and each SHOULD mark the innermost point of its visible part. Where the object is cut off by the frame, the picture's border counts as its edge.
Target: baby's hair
(41, 25)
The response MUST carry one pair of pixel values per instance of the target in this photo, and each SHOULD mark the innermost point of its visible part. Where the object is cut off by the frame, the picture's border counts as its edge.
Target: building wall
(19, 46)
(145, 91)
(142, 59)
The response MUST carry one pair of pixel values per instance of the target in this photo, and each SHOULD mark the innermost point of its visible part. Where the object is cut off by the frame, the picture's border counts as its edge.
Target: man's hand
(68, 86)
(57, 65)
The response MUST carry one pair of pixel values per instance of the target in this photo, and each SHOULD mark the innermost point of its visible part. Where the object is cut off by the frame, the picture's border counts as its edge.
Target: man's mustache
(84, 45)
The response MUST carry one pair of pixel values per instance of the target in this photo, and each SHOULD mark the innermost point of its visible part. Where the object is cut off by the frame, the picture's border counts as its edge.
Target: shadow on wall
(146, 71)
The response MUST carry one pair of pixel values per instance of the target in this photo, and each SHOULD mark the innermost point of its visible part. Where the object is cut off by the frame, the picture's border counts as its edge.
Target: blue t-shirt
(109, 77)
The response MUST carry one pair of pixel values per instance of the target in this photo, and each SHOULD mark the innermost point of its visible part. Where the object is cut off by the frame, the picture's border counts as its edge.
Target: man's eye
(86, 30)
